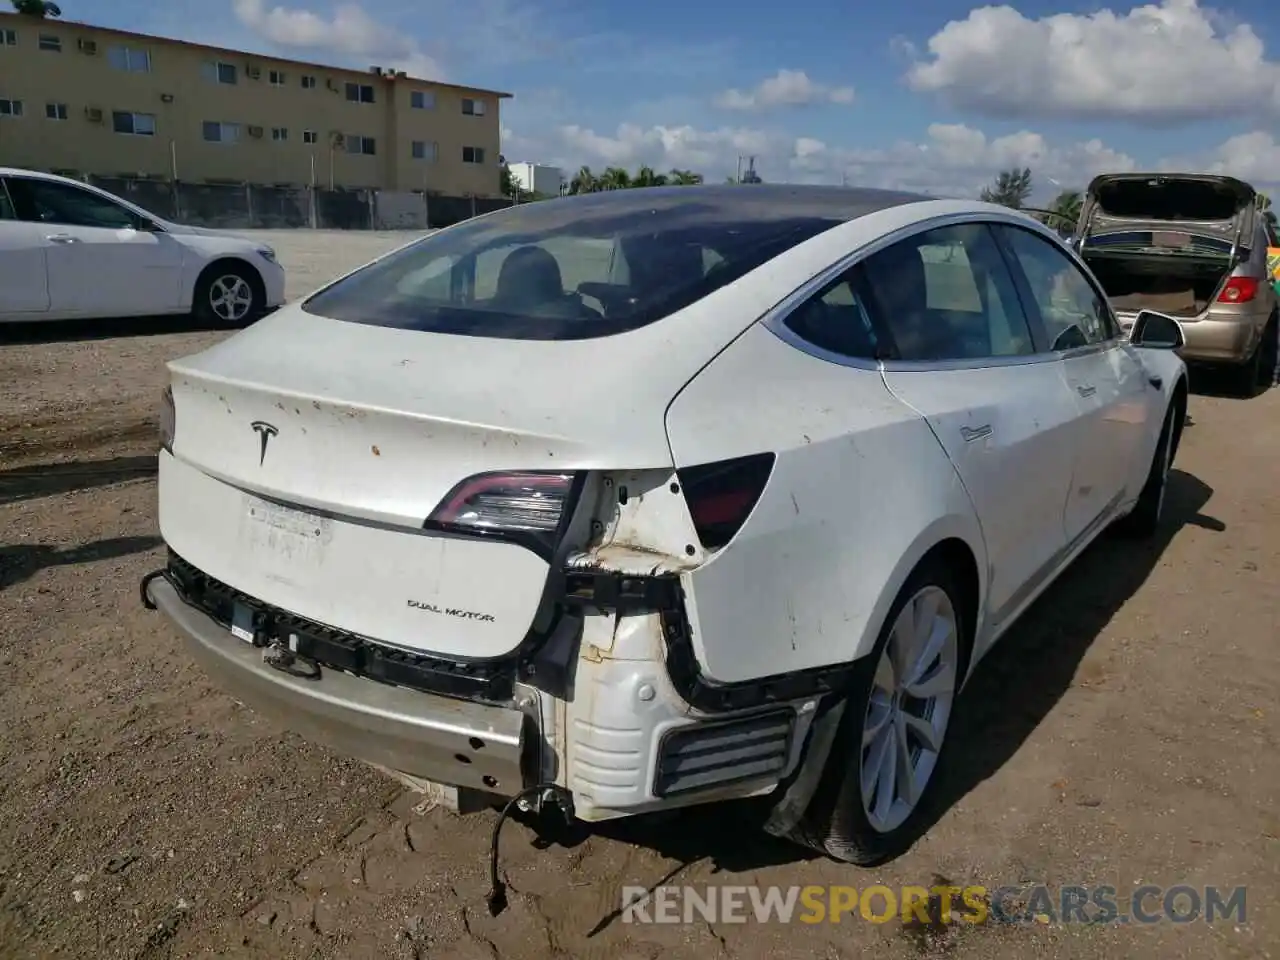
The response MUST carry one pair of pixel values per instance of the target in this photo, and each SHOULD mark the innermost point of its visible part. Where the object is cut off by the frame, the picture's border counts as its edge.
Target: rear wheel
(1144, 521)
(886, 761)
(228, 295)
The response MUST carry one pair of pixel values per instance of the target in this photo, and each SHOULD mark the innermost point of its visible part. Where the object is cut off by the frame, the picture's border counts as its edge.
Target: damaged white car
(650, 498)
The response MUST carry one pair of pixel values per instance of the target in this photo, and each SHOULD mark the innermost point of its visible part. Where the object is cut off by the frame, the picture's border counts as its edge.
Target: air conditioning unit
(376, 71)
(253, 72)
(93, 114)
(337, 139)
(255, 131)
(89, 47)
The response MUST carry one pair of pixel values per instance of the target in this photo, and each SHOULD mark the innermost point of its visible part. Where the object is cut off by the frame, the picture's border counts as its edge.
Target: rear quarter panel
(860, 492)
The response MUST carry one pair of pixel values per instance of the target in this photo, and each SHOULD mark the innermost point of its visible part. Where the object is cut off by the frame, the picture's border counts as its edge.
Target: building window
(358, 144)
(137, 124)
(215, 132)
(8, 38)
(472, 108)
(10, 108)
(279, 134)
(308, 82)
(473, 154)
(276, 78)
(359, 93)
(422, 100)
(130, 59)
(309, 136)
(55, 111)
(427, 150)
(218, 72)
(50, 42)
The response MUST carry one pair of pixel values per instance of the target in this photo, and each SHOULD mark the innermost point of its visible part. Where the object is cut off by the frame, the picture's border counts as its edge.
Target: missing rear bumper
(480, 746)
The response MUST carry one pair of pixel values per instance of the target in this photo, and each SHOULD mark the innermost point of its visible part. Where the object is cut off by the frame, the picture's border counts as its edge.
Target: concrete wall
(177, 95)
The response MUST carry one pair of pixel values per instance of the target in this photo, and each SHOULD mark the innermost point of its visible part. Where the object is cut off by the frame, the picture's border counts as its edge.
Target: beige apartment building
(80, 99)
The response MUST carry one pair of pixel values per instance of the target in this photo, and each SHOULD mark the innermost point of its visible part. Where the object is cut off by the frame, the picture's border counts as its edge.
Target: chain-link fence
(234, 206)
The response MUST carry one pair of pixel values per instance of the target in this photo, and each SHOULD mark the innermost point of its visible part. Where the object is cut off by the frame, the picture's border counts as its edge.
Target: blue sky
(927, 94)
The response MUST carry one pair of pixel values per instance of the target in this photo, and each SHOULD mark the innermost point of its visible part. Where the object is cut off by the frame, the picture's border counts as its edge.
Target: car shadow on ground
(1013, 690)
(1034, 665)
(1212, 382)
(24, 560)
(44, 480)
(62, 331)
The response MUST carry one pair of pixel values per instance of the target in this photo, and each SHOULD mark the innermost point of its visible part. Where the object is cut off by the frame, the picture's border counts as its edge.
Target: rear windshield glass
(574, 268)
(1169, 200)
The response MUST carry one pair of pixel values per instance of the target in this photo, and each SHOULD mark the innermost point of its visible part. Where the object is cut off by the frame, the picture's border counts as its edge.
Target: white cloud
(788, 88)
(952, 159)
(1164, 63)
(349, 33)
(1253, 157)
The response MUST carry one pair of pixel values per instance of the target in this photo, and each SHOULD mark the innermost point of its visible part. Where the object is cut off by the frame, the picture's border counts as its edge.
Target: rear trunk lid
(1198, 204)
(310, 453)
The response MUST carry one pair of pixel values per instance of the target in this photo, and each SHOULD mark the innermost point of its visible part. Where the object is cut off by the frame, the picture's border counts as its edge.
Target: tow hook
(277, 656)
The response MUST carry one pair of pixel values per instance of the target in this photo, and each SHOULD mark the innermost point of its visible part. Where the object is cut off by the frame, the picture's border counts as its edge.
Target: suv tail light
(531, 503)
(722, 495)
(1239, 290)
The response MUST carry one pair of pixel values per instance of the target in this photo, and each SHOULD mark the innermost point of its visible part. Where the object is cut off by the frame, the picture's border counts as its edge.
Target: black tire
(837, 822)
(1270, 346)
(1144, 520)
(210, 304)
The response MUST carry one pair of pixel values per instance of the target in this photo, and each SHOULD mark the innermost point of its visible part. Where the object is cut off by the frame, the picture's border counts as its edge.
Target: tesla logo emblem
(265, 432)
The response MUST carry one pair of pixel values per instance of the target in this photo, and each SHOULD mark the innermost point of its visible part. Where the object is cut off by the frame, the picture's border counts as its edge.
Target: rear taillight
(1239, 290)
(526, 503)
(168, 420)
(721, 495)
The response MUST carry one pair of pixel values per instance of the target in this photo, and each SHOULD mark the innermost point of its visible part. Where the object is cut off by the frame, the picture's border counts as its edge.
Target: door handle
(62, 238)
(971, 434)
(1086, 391)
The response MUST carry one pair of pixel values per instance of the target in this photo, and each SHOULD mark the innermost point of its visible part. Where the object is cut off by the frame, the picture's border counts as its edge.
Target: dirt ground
(1121, 735)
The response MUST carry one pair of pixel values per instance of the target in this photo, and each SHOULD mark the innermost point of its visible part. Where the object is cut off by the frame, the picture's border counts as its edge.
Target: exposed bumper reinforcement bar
(425, 735)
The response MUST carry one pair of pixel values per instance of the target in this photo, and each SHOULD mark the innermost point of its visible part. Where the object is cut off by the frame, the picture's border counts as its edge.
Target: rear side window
(947, 294)
(567, 270)
(836, 320)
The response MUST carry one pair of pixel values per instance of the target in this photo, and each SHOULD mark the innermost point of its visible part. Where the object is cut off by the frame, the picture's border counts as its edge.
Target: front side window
(599, 266)
(946, 294)
(1072, 311)
(58, 203)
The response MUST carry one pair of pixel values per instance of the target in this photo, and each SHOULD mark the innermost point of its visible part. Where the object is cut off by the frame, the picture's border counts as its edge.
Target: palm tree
(646, 177)
(615, 178)
(37, 8)
(1066, 209)
(1011, 188)
(584, 181)
(684, 178)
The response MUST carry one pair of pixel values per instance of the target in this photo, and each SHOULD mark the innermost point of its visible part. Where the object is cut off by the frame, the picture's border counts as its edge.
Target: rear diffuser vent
(710, 755)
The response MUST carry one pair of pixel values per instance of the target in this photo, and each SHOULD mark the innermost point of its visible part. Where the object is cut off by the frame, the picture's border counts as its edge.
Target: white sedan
(71, 251)
(657, 497)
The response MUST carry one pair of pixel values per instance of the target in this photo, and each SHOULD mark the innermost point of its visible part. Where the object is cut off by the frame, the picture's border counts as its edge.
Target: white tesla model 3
(657, 497)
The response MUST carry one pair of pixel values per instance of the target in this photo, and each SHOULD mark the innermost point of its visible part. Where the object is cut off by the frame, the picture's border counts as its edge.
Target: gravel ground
(1120, 735)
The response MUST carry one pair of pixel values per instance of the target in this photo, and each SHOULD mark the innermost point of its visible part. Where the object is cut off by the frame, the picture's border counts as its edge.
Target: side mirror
(1157, 331)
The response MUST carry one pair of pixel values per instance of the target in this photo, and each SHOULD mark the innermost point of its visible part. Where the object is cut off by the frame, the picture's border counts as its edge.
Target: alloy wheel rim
(910, 706)
(230, 297)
